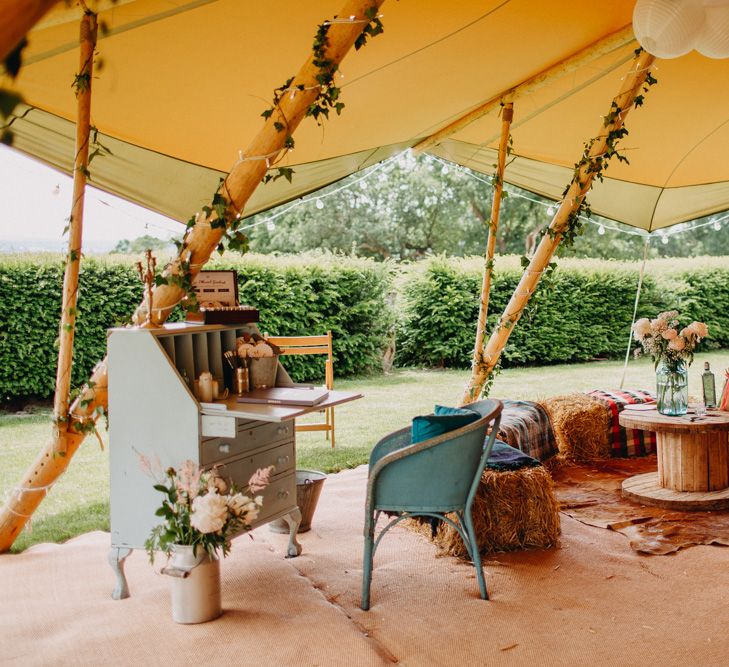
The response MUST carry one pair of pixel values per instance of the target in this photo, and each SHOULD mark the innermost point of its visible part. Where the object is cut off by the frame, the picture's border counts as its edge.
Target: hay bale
(512, 510)
(581, 426)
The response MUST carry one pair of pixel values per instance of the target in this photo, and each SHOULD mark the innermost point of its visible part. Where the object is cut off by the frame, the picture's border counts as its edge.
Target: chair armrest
(390, 443)
(398, 445)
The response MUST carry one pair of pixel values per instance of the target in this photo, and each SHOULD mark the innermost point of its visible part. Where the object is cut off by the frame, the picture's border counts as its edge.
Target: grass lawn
(79, 501)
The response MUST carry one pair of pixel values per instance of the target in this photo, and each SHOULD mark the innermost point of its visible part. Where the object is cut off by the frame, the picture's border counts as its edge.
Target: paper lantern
(713, 39)
(668, 28)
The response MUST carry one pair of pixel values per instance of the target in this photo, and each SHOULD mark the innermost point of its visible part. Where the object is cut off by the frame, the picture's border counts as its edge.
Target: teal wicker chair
(431, 478)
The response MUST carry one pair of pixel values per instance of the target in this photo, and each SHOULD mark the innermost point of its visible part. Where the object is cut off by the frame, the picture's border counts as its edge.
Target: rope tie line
(296, 89)
(640, 71)
(22, 516)
(28, 489)
(350, 20)
(238, 210)
(246, 158)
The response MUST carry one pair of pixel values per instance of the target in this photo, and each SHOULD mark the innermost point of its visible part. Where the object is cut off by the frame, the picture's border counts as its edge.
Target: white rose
(209, 512)
(237, 503)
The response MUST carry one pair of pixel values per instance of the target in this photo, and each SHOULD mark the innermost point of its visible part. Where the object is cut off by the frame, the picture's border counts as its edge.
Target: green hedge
(295, 296)
(584, 314)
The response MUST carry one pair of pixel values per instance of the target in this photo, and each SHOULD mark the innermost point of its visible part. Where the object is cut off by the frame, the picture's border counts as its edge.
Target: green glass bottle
(708, 383)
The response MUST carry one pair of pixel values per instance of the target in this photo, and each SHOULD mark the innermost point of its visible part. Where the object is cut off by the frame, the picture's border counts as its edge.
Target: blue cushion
(441, 410)
(431, 426)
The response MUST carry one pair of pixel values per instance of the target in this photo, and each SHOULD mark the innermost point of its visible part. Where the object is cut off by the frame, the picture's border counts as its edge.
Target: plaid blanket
(626, 441)
(525, 425)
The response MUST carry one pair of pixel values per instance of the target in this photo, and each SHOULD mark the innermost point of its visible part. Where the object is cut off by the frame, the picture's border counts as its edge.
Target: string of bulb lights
(602, 227)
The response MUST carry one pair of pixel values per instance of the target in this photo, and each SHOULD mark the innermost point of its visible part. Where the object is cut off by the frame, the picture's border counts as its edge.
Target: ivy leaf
(14, 59)
(8, 102)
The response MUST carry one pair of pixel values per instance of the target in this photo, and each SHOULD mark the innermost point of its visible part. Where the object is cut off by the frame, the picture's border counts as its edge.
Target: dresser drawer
(278, 496)
(249, 437)
(240, 470)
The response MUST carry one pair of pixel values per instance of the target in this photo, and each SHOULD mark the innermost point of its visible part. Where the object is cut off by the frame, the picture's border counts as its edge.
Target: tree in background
(419, 206)
(140, 244)
(411, 208)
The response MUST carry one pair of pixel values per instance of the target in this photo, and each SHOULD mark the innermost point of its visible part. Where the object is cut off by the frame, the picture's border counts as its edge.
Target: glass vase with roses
(672, 349)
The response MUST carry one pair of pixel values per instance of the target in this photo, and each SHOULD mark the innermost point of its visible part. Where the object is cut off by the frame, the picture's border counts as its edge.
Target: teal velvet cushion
(444, 420)
(442, 410)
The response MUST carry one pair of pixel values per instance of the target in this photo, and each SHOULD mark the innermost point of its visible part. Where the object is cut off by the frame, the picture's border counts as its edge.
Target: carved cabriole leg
(117, 556)
(293, 519)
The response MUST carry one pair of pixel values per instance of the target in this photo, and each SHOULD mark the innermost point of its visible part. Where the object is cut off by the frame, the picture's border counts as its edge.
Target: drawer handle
(282, 494)
(224, 448)
(282, 429)
(281, 460)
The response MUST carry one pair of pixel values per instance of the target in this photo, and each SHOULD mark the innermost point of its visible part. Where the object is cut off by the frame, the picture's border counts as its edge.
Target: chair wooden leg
(475, 555)
(367, 569)
(331, 424)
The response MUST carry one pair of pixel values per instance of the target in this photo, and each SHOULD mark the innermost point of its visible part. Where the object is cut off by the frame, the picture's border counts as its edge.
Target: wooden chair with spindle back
(312, 345)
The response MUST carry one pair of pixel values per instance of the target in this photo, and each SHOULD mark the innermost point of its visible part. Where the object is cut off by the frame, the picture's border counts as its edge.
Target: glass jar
(672, 388)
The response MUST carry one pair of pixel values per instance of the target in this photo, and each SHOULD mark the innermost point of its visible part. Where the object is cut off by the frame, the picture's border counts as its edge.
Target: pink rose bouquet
(201, 509)
(662, 339)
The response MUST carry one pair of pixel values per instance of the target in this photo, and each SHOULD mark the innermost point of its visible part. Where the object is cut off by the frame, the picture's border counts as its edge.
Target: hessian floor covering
(591, 601)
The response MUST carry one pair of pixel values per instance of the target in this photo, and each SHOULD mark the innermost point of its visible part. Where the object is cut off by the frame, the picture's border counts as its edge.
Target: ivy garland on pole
(217, 213)
(592, 164)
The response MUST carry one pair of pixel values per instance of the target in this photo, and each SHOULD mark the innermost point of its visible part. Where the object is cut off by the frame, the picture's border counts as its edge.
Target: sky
(36, 201)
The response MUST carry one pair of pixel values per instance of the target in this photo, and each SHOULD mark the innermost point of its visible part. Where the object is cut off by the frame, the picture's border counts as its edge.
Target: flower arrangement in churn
(662, 339)
(200, 509)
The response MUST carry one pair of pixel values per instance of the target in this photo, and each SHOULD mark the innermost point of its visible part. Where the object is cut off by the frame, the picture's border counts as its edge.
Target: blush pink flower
(669, 334)
(188, 479)
(145, 464)
(642, 328)
(699, 329)
(260, 479)
(677, 344)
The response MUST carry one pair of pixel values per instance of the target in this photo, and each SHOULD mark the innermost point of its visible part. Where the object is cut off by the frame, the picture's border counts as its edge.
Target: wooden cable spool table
(693, 460)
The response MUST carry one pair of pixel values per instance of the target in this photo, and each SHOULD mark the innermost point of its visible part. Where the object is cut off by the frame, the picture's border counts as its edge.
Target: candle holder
(147, 277)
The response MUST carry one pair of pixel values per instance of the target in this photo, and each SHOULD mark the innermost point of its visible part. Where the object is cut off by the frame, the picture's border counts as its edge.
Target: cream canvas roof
(184, 83)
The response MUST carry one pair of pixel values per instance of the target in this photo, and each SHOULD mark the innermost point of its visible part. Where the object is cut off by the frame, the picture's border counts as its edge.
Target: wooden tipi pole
(570, 205)
(200, 242)
(473, 390)
(75, 225)
(26, 497)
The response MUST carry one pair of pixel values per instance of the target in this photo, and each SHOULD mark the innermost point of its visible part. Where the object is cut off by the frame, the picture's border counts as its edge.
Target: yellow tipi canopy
(184, 83)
